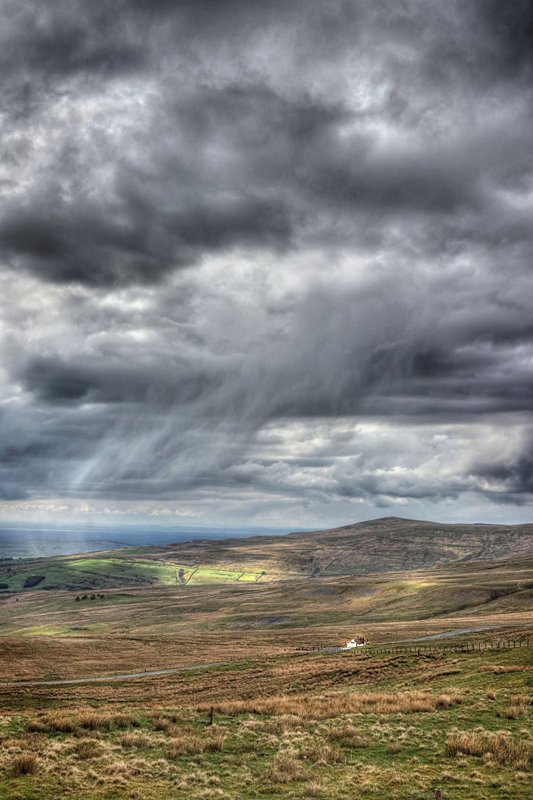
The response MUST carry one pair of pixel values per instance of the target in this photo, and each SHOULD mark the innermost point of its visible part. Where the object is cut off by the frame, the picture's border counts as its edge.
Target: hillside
(374, 547)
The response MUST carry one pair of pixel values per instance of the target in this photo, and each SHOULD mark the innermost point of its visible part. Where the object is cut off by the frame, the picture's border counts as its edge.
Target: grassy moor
(254, 698)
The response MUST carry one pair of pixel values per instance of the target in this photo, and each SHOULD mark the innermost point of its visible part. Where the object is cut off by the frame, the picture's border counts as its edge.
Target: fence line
(420, 649)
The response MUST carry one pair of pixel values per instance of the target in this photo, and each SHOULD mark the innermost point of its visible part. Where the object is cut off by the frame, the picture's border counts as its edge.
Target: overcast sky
(266, 263)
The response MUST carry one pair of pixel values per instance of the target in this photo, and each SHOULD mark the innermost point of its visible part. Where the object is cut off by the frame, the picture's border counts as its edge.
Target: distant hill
(364, 548)
(380, 545)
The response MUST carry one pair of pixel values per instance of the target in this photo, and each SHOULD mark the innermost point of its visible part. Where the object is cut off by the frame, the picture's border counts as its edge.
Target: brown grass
(498, 745)
(513, 712)
(162, 724)
(23, 764)
(502, 670)
(61, 722)
(130, 739)
(335, 705)
(284, 768)
(313, 789)
(349, 736)
(88, 748)
(189, 744)
(320, 753)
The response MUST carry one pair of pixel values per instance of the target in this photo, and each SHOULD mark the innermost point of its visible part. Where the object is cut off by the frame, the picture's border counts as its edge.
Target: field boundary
(412, 649)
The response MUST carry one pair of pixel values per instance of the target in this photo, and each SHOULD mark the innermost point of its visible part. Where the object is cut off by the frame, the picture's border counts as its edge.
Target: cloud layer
(225, 226)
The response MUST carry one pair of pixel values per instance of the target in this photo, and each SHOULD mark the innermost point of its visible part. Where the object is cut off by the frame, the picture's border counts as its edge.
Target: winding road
(123, 676)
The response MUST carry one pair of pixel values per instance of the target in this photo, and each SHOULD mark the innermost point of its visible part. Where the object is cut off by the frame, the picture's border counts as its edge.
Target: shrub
(33, 580)
(23, 764)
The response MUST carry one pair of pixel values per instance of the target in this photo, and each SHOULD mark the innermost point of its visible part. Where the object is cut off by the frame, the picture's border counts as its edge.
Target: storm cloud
(267, 258)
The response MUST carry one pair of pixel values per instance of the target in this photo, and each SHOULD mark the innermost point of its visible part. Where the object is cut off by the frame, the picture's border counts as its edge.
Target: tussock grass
(349, 736)
(500, 746)
(62, 722)
(138, 740)
(394, 748)
(23, 764)
(318, 753)
(517, 707)
(335, 705)
(513, 712)
(502, 670)
(88, 749)
(314, 789)
(285, 768)
(162, 724)
(189, 744)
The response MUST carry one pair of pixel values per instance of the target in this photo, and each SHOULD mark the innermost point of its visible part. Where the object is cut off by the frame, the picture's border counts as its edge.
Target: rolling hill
(378, 546)
(382, 545)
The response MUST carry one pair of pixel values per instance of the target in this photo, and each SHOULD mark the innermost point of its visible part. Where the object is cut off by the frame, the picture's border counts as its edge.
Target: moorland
(258, 706)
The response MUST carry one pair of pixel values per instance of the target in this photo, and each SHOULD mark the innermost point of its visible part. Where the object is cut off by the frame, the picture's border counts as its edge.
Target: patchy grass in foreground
(399, 731)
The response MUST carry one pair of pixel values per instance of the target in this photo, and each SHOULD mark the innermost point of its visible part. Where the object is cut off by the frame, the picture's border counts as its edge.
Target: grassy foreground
(294, 727)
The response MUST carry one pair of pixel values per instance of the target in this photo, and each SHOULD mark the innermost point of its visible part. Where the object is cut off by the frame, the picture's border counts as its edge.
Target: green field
(111, 571)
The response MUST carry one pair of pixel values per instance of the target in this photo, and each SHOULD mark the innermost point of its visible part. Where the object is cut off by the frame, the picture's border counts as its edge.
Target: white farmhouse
(359, 641)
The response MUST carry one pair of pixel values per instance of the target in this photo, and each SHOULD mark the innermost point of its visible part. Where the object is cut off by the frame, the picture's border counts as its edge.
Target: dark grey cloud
(84, 244)
(221, 217)
(509, 478)
(510, 31)
(57, 381)
(224, 156)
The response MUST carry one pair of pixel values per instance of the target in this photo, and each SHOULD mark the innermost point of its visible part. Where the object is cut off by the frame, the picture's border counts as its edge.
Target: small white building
(359, 641)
